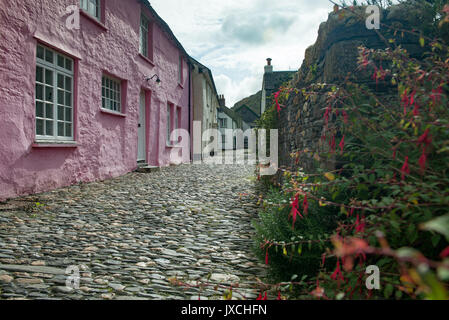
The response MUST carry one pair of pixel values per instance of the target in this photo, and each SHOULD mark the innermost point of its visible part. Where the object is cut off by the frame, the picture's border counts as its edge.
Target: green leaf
(440, 225)
(422, 42)
(388, 290)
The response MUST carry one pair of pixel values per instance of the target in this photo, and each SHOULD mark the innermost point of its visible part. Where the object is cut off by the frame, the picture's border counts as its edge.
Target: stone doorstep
(145, 168)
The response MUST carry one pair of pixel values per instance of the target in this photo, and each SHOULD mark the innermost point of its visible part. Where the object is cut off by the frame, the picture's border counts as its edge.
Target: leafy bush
(387, 202)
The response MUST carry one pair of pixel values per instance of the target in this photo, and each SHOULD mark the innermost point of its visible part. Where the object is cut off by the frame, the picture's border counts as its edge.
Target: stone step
(147, 168)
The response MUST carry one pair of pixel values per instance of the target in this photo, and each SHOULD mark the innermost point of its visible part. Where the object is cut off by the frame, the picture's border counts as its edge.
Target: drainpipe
(190, 110)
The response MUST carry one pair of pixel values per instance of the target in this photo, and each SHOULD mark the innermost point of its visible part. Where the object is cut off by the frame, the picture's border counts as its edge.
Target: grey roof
(164, 26)
(274, 80)
(202, 67)
(231, 114)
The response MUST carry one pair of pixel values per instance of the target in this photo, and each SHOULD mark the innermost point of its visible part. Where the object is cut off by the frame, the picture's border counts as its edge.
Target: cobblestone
(131, 236)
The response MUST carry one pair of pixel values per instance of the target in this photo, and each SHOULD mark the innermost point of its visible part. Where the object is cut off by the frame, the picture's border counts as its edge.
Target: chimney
(269, 67)
(221, 100)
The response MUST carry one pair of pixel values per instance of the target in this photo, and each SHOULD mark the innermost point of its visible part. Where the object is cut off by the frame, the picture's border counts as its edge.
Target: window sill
(94, 20)
(54, 144)
(147, 59)
(113, 113)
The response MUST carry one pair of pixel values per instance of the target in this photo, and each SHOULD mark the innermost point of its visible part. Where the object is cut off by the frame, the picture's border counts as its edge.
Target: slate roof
(274, 80)
(164, 26)
(231, 114)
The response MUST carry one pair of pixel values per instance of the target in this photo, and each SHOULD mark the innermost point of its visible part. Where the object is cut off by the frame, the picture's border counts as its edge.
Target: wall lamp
(158, 80)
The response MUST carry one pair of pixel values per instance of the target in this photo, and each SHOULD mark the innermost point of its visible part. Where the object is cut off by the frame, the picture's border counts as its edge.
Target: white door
(141, 153)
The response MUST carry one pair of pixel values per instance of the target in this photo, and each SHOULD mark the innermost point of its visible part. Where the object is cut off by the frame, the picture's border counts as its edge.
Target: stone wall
(332, 58)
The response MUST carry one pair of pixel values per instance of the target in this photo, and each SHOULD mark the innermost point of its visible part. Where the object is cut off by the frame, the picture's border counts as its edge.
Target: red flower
(359, 225)
(445, 253)
(345, 116)
(425, 138)
(342, 144)
(305, 205)
(416, 110)
(405, 168)
(436, 94)
(422, 161)
(279, 296)
(295, 211)
(327, 114)
(266, 258)
(337, 273)
(276, 99)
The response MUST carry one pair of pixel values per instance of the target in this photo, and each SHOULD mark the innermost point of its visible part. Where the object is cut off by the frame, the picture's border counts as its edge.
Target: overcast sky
(234, 37)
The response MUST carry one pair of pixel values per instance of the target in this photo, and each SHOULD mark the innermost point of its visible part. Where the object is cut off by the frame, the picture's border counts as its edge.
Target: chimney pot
(269, 61)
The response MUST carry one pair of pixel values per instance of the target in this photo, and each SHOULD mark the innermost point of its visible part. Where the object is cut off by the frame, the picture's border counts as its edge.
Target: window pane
(39, 109)
(49, 94)
(68, 64)
(39, 74)
(68, 129)
(61, 132)
(68, 83)
(61, 113)
(60, 97)
(49, 77)
(60, 81)
(49, 111)
(68, 114)
(49, 128)
(39, 92)
(49, 55)
(40, 127)
(40, 52)
(60, 61)
(68, 99)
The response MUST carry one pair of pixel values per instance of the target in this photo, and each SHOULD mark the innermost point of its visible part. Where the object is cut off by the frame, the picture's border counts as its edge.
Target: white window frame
(111, 94)
(56, 71)
(144, 45)
(92, 7)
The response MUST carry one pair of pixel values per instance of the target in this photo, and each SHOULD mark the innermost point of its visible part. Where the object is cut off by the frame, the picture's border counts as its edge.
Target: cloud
(259, 29)
(234, 37)
(237, 90)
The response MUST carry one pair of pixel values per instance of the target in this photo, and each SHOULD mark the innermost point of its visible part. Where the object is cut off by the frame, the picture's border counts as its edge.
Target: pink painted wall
(106, 144)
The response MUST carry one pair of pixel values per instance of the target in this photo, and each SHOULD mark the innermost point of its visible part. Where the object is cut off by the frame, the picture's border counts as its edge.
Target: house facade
(272, 81)
(205, 102)
(228, 120)
(86, 94)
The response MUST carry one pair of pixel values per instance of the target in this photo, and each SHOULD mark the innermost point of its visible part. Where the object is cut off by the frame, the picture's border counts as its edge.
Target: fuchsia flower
(422, 161)
(445, 253)
(305, 205)
(337, 273)
(436, 94)
(295, 211)
(266, 258)
(260, 297)
(345, 117)
(425, 138)
(359, 225)
(405, 168)
(327, 114)
(342, 144)
(276, 99)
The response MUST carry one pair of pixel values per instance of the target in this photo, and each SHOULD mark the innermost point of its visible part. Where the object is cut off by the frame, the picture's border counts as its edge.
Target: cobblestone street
(131, 235)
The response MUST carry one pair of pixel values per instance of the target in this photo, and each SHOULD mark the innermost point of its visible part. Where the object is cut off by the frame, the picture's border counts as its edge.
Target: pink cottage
(88, 88)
